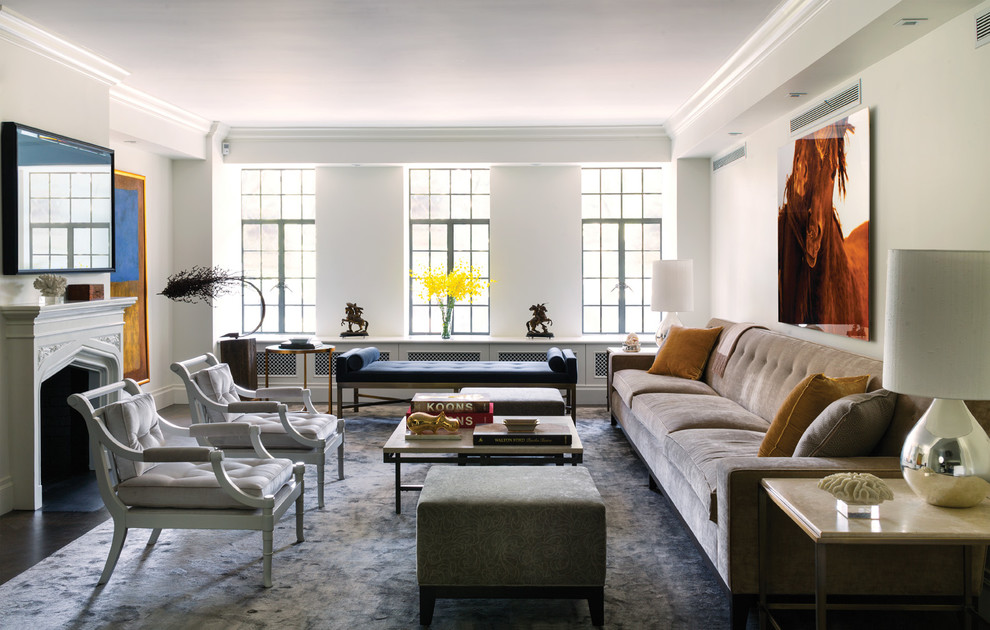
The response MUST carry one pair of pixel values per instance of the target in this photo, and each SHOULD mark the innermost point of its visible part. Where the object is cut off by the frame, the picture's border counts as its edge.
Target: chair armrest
(254, 406)
(162, 454)
(289, 394)
(738, 504)
(630, 361)
(227, 429)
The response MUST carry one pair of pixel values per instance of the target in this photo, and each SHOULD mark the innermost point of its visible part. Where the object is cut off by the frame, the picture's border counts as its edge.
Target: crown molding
(445, 134)
(789, 17)
(148, 104)
(26, 34)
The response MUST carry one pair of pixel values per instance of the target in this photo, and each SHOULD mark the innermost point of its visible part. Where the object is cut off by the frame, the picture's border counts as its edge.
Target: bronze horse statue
(539, 319)
(353, 318)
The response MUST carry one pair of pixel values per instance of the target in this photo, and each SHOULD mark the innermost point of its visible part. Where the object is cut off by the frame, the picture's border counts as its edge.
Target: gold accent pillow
(685, 352)
(805, 402)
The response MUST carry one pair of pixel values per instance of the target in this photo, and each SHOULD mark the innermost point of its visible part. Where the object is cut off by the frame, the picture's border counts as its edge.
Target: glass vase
(447, 318)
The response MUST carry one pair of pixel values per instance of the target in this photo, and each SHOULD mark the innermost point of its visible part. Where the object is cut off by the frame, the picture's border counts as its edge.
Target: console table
(907, 520)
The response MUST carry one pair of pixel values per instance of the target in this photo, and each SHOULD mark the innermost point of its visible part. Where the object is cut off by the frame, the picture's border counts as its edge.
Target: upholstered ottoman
(522, 401)
(510, 531)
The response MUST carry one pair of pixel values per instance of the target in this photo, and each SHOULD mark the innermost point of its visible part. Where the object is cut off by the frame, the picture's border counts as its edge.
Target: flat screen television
(57, 196)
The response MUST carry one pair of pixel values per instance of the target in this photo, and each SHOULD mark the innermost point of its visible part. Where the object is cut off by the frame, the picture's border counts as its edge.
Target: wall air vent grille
(982, 29)
(845, 99)
(729, 158)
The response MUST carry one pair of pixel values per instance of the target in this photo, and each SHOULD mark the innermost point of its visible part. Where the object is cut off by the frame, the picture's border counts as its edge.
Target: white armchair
(148, 485)
(304, 436)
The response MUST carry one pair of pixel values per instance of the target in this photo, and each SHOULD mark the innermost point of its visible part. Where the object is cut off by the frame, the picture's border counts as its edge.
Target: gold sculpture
(420, 422)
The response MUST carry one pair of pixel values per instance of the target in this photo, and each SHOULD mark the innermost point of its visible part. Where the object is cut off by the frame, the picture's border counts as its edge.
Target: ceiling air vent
(845, 99)
(982, 29)
(729, 158)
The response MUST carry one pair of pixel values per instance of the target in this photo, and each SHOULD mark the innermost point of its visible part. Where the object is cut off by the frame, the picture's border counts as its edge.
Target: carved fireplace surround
(39, 341)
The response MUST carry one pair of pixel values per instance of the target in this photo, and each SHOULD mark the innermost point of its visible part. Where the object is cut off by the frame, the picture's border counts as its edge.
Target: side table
(643, 358)
(277, 349)
(907, 520)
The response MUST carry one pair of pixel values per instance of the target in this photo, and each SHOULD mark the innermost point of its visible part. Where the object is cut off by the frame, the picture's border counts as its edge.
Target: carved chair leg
(119, 536)
(155, 533)
(340, 460)
(320, 475)
(266, 562)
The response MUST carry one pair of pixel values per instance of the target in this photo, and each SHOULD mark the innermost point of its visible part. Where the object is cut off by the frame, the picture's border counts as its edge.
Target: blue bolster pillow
(360, 357)
(555, 359)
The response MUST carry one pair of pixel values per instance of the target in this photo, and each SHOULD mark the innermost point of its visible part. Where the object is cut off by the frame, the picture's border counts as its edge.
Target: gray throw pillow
(850, 427)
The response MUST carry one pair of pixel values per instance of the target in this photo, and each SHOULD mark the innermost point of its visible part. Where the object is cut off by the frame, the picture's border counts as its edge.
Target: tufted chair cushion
(218, 384)
(193, 485)
(316, 426)
(134, 423)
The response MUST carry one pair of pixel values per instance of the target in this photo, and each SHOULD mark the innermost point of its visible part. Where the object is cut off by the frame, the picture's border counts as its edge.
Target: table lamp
(937, 344)
(673, 291)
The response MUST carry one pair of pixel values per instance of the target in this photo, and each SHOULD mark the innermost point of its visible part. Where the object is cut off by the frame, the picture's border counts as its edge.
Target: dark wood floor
(70, 508)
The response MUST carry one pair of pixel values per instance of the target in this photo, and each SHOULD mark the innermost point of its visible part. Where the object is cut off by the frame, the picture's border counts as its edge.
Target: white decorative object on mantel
(38, 342)
(857, 495)
(52, 287)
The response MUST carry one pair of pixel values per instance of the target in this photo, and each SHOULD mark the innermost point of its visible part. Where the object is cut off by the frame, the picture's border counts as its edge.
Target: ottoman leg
(596, 605)
(427, 599)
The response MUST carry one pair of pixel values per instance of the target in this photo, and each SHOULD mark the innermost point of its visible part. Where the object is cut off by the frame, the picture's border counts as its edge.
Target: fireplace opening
(67, 479)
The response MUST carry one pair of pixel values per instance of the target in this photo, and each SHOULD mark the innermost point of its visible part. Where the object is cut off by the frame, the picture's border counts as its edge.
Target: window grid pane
(621, 228)
(278, 249)
(449, 211)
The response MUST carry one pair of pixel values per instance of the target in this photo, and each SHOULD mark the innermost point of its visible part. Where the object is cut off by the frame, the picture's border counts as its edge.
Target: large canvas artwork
(823, 228)
(130, 277)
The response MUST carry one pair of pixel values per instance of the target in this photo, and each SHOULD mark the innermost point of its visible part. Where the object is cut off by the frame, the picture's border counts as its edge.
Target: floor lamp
(673, 292)
(937, 344)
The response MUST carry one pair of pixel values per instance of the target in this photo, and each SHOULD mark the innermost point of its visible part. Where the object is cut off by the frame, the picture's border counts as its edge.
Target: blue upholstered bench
(363, 368)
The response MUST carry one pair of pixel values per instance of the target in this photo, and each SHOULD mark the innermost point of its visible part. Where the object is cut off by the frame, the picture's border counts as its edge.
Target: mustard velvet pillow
(685, 352)
(805, 402)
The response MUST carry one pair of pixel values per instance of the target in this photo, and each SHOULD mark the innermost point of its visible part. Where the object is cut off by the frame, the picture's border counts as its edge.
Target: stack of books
(545, 434)
(469, 409)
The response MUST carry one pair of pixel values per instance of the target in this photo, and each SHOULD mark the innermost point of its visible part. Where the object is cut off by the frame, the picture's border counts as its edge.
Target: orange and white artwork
(823, 228)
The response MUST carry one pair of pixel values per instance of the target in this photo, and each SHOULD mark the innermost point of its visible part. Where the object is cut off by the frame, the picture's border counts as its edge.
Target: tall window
(278, 243)
(448, 225)
(620, 214)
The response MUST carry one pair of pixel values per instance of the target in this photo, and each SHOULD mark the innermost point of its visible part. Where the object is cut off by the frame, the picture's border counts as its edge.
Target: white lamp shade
(937, 334)
(673, 286)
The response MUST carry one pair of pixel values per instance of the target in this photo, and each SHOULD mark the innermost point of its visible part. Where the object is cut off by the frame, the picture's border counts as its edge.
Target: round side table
(277, 349)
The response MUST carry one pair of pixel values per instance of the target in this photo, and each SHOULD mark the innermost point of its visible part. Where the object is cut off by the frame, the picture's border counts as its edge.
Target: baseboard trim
(6, 494)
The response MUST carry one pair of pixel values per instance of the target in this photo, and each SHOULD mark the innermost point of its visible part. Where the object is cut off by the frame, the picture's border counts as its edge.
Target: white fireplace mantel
(38, 342)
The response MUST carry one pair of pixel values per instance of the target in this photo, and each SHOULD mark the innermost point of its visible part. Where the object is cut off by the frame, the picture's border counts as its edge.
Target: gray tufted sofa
(700, 440)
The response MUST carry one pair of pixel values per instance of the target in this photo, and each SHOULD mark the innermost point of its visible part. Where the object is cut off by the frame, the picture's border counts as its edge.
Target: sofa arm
(738, 504)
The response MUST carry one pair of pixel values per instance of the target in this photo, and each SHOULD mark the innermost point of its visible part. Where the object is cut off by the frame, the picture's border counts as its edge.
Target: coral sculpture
(50, 285)
(632, 343)
(857, 488)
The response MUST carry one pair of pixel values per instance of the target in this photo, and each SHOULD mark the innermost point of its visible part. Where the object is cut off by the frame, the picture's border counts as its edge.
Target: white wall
(929, 122)
(692, 231)
(360, 257)
(536, 247)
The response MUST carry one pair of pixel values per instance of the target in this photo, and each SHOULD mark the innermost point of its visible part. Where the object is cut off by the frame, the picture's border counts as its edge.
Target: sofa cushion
(808, 399)
(695, 453)
(850, 427)
(134, 423)
(685, 352)
(666, 413)
(630, 383)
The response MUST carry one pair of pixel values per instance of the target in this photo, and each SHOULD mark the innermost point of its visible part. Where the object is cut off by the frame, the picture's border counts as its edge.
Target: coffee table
(399, 450)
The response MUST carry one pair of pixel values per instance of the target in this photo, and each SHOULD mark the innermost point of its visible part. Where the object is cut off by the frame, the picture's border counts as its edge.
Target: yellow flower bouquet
(463, 282)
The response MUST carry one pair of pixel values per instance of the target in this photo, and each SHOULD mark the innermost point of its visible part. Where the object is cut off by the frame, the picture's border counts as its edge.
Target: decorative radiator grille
(445, 356)
(601, 364)
(278, 364)
(321, 364)
(522, 356)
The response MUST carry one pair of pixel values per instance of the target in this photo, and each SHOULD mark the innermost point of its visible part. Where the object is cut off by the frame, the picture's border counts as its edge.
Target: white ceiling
(343, 63)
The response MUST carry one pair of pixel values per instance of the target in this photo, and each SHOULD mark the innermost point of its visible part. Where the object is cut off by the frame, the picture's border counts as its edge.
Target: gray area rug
(357, 567)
